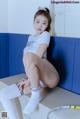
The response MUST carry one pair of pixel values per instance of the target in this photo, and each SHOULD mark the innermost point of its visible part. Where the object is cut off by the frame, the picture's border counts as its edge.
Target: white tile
(60, 24)
(72, 25)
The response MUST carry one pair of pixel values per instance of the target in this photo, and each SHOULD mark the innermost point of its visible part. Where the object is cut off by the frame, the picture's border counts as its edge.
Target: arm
(44, 43)
(41, 50)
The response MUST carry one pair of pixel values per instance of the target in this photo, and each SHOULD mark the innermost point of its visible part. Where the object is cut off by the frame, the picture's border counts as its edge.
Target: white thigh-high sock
(33, 102)
(7, 97)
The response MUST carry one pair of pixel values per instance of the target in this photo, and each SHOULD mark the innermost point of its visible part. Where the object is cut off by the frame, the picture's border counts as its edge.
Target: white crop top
(35, 41)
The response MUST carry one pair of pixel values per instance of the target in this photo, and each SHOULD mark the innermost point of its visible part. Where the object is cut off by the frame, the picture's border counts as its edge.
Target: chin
(39, 32)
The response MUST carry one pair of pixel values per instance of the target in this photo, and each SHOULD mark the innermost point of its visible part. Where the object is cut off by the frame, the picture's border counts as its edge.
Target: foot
(27, 90)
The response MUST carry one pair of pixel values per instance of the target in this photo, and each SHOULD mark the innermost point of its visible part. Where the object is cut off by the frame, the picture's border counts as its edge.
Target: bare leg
(35, 86)
(34, 67)
(48, 73)
(33, 74)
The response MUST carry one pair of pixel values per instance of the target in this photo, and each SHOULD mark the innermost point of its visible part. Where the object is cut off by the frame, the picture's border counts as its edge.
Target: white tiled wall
(72, 25)
(17, 17)
(21, 14)
(60, 24)
(72, 20)
(3, 16)
(67, 20)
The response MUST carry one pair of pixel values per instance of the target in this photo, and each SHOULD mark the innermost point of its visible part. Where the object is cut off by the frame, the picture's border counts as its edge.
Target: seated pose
(41, 73)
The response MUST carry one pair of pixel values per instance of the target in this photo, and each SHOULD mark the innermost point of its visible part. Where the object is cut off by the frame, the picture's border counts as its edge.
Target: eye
(37, 22)
(44, 23)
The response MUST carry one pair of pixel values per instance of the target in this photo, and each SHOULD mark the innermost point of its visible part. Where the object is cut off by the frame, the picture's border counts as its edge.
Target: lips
(39, 29)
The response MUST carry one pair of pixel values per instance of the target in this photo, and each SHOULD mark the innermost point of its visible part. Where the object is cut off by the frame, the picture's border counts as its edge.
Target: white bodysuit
(34, 43)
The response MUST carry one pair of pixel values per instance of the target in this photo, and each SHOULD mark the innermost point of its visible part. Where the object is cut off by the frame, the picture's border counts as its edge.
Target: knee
(53, 85)
(29, 60)
(54, 82)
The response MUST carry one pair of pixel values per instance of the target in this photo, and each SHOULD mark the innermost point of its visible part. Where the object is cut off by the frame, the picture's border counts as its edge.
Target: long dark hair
(45, 12)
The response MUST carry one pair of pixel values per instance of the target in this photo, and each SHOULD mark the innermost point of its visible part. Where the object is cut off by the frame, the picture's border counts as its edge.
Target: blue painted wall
(62, 56)
(16, 45)
(4, 55)
(76, 71)
(64, 53)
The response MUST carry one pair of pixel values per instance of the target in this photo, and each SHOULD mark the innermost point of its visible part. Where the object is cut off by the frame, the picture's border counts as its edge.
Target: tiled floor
(55, 98)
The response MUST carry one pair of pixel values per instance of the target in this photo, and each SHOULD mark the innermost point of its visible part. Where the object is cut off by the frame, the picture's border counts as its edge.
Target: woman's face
(40, 24)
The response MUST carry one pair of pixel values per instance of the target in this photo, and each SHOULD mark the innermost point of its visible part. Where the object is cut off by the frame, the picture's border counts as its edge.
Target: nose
(40, 25)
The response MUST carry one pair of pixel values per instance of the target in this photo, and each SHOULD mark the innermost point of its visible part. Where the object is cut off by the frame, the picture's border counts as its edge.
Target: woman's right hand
(24, 86)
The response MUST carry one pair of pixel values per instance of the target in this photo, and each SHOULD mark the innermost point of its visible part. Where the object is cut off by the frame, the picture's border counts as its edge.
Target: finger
(21, 83)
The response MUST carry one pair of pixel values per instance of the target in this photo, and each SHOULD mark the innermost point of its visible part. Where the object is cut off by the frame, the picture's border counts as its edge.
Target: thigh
(48, 73)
